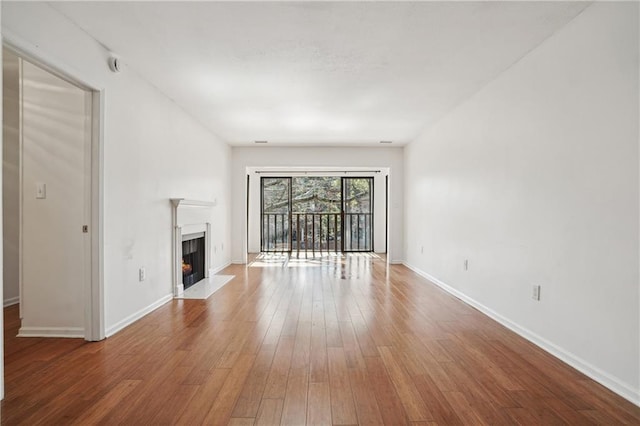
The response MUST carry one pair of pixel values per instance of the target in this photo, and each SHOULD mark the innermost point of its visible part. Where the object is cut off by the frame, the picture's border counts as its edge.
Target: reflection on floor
(308, 259)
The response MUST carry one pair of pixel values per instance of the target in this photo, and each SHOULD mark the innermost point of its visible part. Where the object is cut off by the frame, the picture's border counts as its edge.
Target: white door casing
(92, 292)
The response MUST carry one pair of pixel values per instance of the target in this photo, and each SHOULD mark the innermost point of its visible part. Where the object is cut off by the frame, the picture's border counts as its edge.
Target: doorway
(316, 214)
(51, 196)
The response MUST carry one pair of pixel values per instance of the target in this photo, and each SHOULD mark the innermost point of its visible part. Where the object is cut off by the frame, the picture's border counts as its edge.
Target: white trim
(207, 250)
(94, 320)
(218, 269)
(11, 301)
(137, 315)
(205, 288)
(397, 262)
(20, 183)
(185, 202)
(188, 230)
(238, 262)
(69, 332)
(193, 236)
(176, 251)
(595, 373)
(48, 62)
(245, 220)
(179, 290)
(94, 325)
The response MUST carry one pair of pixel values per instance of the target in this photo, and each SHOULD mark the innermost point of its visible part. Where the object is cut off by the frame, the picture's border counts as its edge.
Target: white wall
(316, 157)
(153, 151)
(10, 176)
(534, 180)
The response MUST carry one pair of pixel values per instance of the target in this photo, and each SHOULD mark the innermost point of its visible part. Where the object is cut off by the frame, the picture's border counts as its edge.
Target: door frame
(343, 213)
(94, 324)
(250, 230)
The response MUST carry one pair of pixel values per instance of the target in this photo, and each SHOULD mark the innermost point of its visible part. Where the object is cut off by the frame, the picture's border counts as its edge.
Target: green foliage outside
(315, 195)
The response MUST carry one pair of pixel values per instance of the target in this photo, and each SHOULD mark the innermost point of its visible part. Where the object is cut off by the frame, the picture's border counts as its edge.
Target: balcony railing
(358, 232)
(316, 232)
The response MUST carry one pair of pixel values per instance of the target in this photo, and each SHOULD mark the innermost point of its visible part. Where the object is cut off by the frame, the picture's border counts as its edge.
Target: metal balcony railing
(316, 232)
(358, 232)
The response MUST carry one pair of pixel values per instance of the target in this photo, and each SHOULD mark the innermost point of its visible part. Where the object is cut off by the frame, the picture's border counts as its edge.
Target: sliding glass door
(316, 214)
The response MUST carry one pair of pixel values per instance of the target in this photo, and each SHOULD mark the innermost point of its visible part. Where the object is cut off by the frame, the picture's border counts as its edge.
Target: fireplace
(191, 220)
(193, 259)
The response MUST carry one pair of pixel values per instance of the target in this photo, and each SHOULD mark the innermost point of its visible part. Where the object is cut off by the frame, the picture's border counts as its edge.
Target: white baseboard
(218, 269)
(614, 384)
(136, 316)
(238, 262)
(396, 262)
(11, 301)
(70, 332)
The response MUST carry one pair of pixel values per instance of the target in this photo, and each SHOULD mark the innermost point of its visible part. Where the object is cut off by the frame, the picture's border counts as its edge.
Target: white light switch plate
(41, 191)
(536, 292)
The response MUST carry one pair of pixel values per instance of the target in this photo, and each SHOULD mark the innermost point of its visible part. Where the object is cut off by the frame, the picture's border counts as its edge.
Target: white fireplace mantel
(189, 216)
(177, 202)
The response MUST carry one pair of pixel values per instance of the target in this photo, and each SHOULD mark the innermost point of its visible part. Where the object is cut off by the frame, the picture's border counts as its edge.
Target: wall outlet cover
(536, 292)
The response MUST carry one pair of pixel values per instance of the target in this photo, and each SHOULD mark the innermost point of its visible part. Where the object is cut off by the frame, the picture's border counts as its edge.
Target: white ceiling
(322, 73)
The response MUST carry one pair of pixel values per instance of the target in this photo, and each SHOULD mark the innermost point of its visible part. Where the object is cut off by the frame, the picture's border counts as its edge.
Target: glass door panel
(276, 214)
(357, 194)
(316, 216)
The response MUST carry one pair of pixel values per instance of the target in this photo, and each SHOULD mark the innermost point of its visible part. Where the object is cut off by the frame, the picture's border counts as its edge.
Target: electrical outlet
(466, 264)
(142, 274)
(535, 295)
(221, 246)
(421, 249)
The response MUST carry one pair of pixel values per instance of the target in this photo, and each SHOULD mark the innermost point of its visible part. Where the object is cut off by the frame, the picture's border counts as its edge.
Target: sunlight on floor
(304, 259)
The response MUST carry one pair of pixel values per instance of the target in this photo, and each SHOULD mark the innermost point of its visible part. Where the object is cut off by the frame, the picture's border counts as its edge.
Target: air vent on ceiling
(386, 141)
(260, 141)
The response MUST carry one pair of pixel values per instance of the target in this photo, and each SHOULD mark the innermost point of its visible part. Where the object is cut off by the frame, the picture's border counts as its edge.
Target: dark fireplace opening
(192, 260)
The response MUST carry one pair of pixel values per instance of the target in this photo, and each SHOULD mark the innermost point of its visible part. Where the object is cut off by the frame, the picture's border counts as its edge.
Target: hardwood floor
(334, 341)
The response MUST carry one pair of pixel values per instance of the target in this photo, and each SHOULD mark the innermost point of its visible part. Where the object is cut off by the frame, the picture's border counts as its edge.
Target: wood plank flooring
(339, 341)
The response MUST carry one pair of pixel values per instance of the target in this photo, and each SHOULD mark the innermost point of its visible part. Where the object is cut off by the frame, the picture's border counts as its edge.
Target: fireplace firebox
(193, 259)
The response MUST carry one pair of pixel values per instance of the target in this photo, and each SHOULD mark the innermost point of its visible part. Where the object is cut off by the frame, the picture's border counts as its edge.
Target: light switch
(41, 190)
